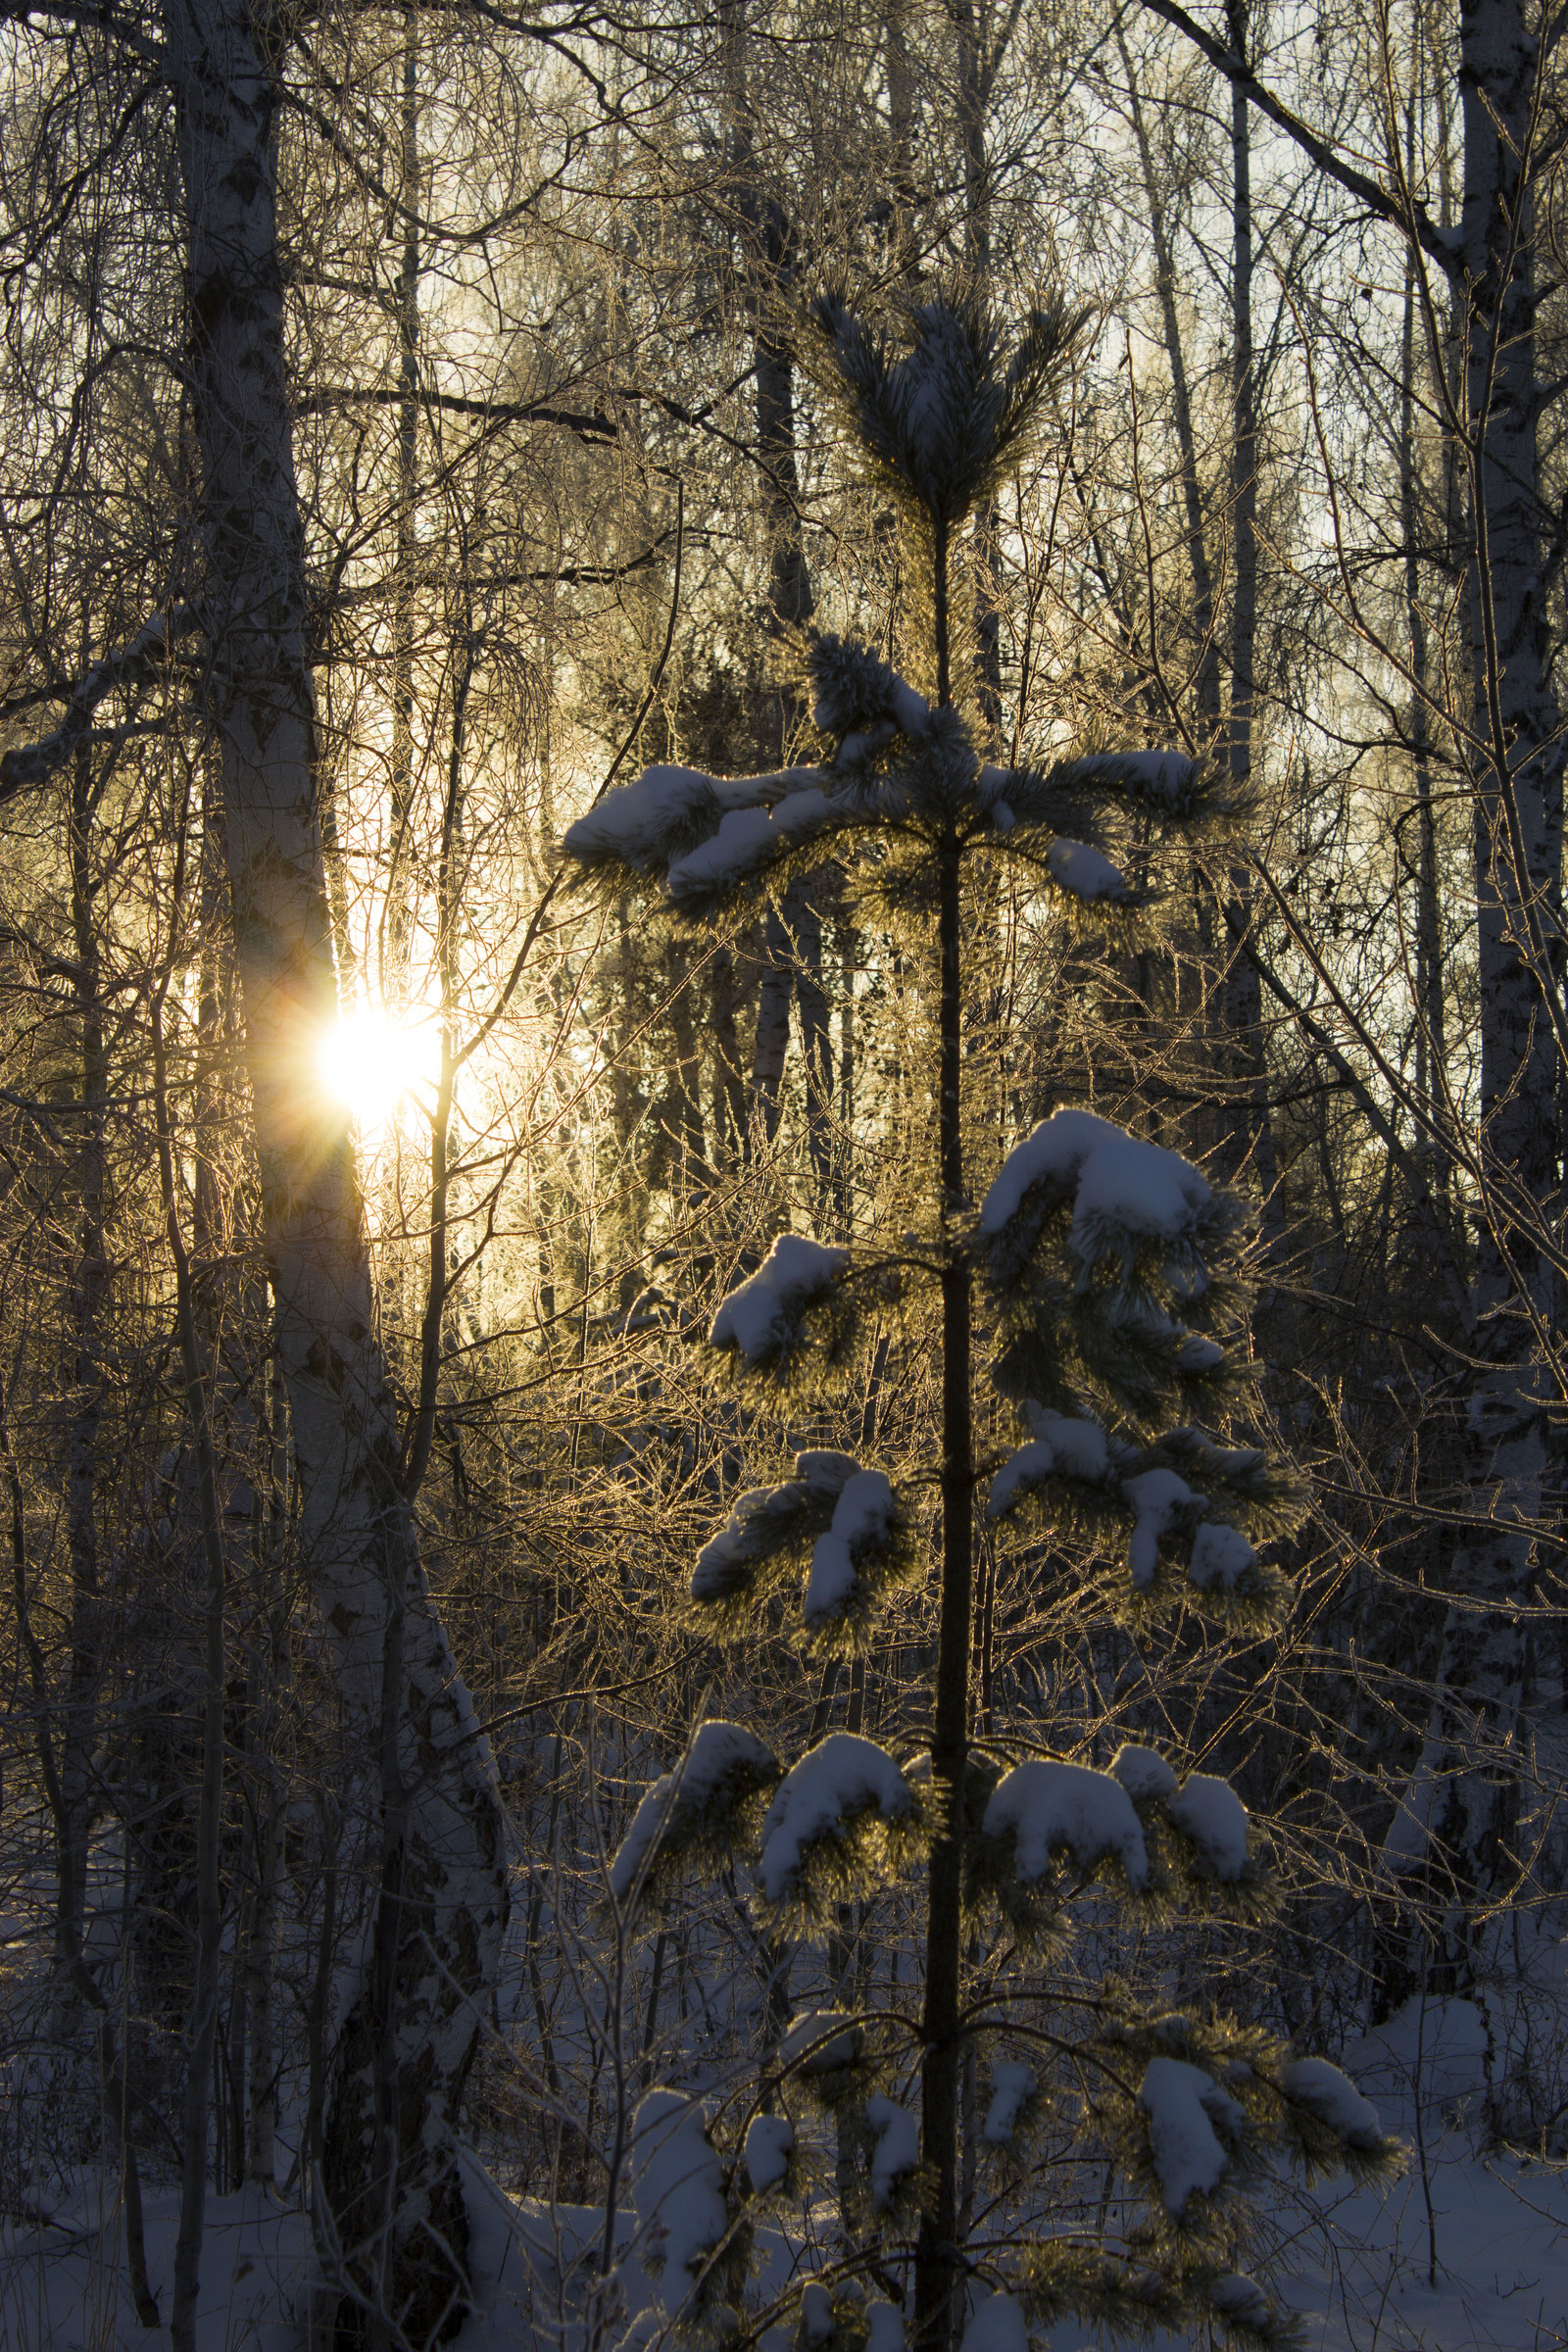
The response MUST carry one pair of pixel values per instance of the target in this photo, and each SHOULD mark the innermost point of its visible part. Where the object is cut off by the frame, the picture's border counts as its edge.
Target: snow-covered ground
(62, 2287)
(1468, 2253)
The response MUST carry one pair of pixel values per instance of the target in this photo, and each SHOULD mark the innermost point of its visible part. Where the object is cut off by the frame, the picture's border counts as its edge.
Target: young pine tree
(1108, 1278)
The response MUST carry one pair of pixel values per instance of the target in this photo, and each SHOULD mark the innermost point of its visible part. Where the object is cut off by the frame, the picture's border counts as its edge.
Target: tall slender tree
(1109, 1278)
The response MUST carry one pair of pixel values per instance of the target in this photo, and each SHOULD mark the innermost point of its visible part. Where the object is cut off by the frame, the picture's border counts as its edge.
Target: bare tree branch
(589, 425)
(30, 763)
(1405, 215)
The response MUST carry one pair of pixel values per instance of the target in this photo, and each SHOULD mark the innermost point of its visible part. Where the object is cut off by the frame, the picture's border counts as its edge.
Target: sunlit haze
(370, 1058)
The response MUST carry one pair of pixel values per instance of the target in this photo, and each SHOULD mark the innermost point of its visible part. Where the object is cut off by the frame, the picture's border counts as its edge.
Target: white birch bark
(357, 1532)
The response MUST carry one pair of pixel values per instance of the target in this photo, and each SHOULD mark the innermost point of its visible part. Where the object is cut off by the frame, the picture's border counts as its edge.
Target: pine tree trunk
(938, 2267)
(356, 1531)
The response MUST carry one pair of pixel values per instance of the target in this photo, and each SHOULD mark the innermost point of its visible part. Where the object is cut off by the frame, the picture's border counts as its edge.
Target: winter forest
(783, 1138)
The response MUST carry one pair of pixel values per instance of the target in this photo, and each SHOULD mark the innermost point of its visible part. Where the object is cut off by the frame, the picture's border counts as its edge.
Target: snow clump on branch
(895, 2153)
(1085, 872)
(1183, 2106)
(1060, 1448)
(669, 811)
(1210, 1812)
(696, 1807)
(841, 1790)
(768, 2146)
(769, 1521)
(1013, 2087)
(997, 2326)
(747, 843)
(861, 1530)
(1116, 1180)
(1051, 1808)
(760, 1318)
(1145, 1775)
(1333, 2098)
(819, 2042)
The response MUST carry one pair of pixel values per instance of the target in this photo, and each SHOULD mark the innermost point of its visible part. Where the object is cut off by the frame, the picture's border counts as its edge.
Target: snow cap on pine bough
(688, 2239)
(671, 811)
(839, 1823)
(678, 2187)
(829, 2058)
(1133, 1240)
(819, 2042)
(1214, 2100)
(845, 1526)
(770, 1531)
(1181, 1542)
(842, 2320)
(692, 1818)
(834, 1826)
(864, 1554)
(895, 2154)
(793, 1318)
(1119, 1277)
(1015, 2099)
(1052, 1827)
(768, 2153)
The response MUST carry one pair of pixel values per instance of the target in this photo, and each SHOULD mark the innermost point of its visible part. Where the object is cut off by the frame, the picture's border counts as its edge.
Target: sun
(370, 1058)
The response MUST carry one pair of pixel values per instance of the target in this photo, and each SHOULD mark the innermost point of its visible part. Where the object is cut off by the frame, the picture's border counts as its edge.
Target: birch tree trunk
(425, 2001)
(1434, 1203)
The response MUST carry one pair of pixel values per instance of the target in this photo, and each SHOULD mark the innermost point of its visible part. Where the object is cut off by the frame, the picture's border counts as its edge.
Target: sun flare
(370, 1058)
